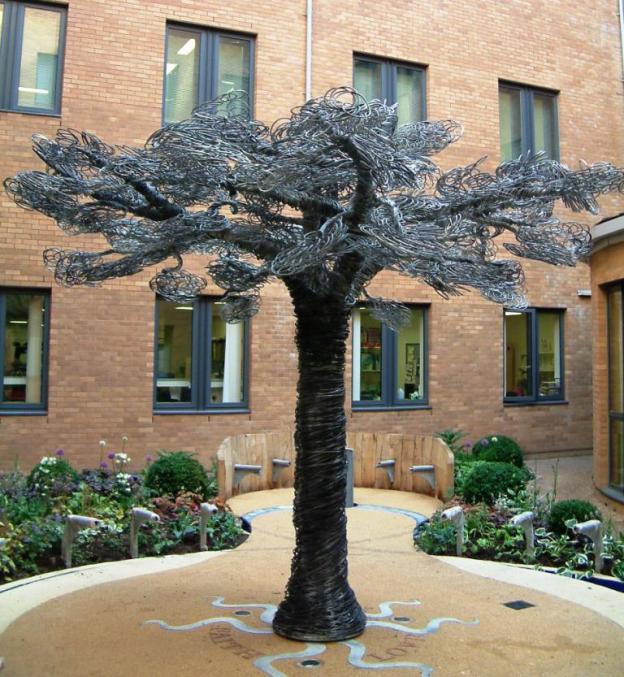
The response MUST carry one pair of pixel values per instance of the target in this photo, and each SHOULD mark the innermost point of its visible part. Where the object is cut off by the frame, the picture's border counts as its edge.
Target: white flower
(122, 459)
(494, 439)
(124, 438)
(102, 443)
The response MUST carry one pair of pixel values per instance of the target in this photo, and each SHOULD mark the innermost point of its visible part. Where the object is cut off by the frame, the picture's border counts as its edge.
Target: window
(23, 346)
(200, 359)
(533, 355)
(395, 82)
(201, 65)
(528, 122)
(615, 319)
(31, 56)
(389, 368)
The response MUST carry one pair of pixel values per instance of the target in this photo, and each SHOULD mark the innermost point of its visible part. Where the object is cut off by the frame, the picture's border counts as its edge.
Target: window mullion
(206, 350)
(528, 140)
(534, 348)
(204, 78)
(390, 79)
(2, 332)
(197, 367)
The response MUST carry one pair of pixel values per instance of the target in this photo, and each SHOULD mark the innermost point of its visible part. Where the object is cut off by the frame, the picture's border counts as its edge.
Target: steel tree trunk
(319, 604)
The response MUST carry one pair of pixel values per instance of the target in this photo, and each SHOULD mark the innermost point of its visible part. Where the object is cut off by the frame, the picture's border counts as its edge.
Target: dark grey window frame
(11, 41)
(613, 490)
(208, 61)
(388, 78)
(201, 366)
(533, 339)
(23, 408)
(389, 357)
(527, 140)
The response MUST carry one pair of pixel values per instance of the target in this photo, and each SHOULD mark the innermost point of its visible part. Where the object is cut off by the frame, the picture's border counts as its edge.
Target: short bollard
(206, 511)
(73, 524)
(525, 520)
(139, 516)
(593, 530)
(456, 516)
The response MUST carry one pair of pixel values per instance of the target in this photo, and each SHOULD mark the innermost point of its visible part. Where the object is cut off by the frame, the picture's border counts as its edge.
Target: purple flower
(103, 465)
(148, 459)
(111, 455)
(467, 444)
(60, 452)
(485, 442)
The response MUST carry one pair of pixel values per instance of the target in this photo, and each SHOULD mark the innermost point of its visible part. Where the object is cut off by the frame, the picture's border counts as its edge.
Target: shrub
(53, 476)
(176, 471)
(498, 448)
(486, 480)
(572, 509)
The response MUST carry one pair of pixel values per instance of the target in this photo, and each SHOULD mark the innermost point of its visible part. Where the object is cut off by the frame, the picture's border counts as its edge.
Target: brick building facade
(99, 376)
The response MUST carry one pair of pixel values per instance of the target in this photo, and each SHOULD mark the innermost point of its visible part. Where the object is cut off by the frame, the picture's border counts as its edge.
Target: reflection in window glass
(226, 378)
(518, 379)
(409, 371)
(616, 343)
(510, 124)
(616, 454)
(233, 71)
(367, 79)
(549, 354)
(544, 124)
(174, 359)
(367, 380)
(39, 58)
(181, 74)
(23, 348)
(409, 94)
(1, 19)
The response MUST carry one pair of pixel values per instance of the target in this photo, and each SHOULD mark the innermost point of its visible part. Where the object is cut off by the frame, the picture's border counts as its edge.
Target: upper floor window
(393, 81)
(31, 56)
(200, 358)
(23, 346)
(202, 64)
(533, 355)
(389, 367)
(528, 122)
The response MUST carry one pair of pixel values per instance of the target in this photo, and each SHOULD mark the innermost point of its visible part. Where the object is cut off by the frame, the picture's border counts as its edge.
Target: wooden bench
(258, 461)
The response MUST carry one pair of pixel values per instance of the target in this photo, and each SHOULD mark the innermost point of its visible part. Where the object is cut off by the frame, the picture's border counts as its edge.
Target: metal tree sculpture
(323, 200)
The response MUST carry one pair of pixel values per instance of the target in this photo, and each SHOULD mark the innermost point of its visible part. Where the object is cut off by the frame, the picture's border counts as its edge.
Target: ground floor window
(23, 346)
(615, 320)
(200, 358)
(533, 355)
(389, 368)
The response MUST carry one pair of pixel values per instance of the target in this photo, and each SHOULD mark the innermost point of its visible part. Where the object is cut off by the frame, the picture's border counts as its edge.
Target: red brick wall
(101, 355)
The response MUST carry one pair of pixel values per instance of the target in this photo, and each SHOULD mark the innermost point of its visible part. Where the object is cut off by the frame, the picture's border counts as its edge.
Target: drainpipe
(308, 63)
(621, 3)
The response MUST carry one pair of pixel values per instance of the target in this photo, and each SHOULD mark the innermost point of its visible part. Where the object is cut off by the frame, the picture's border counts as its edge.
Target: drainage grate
(401, 619)
(241, 612)
(518, 604)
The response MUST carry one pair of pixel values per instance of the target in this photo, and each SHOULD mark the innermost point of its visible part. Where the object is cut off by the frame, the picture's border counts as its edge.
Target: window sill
(414, 407)
(46, 114)
(23, 412)
(202, 412)
(534, 403)
(612, 493)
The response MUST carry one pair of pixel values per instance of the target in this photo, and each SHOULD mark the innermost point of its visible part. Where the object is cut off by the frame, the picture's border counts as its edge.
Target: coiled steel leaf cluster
(327, 197)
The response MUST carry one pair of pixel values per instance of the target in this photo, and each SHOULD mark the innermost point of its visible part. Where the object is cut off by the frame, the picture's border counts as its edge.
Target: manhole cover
(518, 604)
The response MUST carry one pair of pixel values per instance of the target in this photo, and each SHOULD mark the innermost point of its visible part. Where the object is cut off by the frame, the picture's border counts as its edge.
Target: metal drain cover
(518, 604)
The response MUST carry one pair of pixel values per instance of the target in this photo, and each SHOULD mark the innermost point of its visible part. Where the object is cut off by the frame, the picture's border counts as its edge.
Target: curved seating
(258, 461)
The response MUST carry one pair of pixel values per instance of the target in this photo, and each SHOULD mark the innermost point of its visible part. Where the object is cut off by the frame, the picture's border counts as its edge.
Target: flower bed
(33, 509)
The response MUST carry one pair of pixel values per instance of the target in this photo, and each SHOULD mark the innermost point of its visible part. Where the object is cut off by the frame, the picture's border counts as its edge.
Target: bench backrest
(369, 449)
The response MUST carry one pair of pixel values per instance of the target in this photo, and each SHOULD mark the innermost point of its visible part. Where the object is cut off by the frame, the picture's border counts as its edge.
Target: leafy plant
(453, 439)
(53, 476)
(498, 448)
(573, 509)
(176, 471)
(224, 531)
(486, 480)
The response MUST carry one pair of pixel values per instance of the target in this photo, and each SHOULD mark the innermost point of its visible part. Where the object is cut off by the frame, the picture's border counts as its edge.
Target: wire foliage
(329, 196)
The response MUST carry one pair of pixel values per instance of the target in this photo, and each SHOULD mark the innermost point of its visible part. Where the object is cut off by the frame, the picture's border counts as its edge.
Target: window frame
(389, 78)
(208, 62)
(389, 357)
(533, 337)
(11, 41)
(23, 408)
(201, 336)
(527, 138)
(613, 415)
